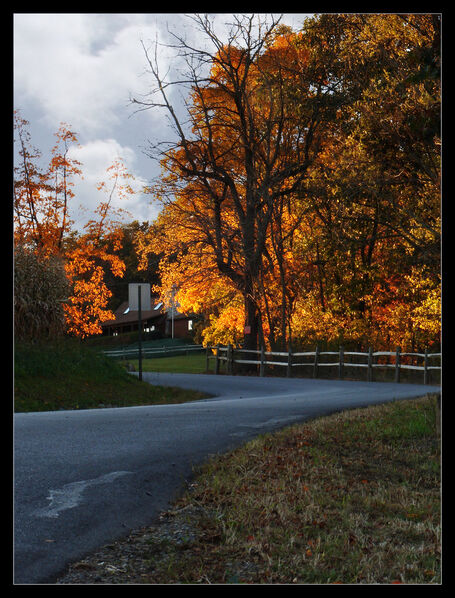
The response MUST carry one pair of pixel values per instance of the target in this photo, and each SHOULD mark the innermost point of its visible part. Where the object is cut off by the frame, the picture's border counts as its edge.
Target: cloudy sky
(82, 69)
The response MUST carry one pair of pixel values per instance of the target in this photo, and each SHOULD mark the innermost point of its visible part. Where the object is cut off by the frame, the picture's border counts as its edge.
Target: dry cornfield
(40, 287)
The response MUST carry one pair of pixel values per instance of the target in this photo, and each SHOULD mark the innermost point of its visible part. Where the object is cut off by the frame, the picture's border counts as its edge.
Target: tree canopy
(301, 196)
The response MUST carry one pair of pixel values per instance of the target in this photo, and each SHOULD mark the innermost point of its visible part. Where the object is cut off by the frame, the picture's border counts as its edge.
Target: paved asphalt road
(85, 478)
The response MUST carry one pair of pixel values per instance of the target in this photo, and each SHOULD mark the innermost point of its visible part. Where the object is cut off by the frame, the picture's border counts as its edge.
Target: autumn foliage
(43, 228)
(305, 203)
(300, 198)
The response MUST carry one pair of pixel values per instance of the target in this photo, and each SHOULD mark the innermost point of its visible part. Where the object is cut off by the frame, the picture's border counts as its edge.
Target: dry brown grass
(352, 498)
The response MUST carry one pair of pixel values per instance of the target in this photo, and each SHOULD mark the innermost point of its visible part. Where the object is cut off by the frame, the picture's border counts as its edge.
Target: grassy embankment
(71, 375)
(181, 364)
(349, 498)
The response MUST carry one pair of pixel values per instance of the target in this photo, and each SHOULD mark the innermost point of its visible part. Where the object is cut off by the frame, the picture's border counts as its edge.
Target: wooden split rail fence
(232, 356)
(165, 351)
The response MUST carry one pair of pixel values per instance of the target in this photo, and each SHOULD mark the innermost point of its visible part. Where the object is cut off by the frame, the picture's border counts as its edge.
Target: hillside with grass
(67, 374)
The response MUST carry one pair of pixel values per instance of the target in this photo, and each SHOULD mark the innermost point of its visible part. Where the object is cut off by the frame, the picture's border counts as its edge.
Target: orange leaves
(85, 267)
(287, 48)
(42, 197)
(58, 190)
(87, 305)
(41, 204)
(303, 443)
(307, 187)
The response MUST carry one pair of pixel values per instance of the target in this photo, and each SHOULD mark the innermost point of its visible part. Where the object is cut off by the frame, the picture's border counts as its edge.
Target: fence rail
(133, 352)
(232, 356)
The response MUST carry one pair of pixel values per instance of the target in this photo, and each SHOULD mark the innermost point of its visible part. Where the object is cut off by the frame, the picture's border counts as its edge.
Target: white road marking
(70, 495)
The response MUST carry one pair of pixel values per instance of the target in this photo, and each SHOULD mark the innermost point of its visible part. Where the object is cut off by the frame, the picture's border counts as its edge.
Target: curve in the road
(85, 478)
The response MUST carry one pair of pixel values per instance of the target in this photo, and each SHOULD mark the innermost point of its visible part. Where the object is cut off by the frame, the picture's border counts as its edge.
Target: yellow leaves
(409, 308)
(227, 327)
(363, 199)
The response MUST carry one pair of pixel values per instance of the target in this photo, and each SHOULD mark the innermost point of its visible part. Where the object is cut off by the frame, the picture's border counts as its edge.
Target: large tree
(301, 195)
(376, 187)
(255, 110)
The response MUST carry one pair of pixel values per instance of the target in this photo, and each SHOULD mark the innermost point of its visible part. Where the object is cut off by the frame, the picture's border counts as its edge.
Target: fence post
(425, 367)
(397, 365)
(316, 359)
(207, 359)
(217, 359)
(370, 364)
(341, 364)
(289, 368)
(229, 359)
(262, 366)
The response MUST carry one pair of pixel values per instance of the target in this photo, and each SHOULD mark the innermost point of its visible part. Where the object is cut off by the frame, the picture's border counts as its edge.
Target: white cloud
(80, 68)
(96, 157)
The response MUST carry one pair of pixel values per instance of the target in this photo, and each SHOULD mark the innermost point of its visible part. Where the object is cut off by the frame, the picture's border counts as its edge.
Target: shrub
(40, 286)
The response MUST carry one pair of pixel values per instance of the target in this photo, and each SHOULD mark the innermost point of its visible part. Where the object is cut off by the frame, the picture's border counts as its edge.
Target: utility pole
(139, 306)
(138, 300)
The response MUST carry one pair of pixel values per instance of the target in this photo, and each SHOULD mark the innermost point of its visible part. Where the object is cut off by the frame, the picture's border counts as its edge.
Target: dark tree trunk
(251, 333)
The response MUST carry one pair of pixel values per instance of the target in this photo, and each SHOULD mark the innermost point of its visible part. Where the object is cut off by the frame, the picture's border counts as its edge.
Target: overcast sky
(82, 69)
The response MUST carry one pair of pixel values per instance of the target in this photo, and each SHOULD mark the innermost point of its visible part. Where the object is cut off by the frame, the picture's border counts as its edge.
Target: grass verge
(69, 375)
(351, 498)
(182, 364)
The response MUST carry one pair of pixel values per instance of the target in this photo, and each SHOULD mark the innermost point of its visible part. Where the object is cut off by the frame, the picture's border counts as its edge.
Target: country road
(85, 478)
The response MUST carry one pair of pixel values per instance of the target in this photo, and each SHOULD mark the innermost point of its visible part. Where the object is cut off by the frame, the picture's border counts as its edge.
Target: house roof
(123, 315)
